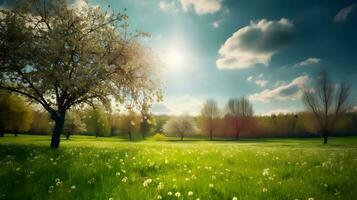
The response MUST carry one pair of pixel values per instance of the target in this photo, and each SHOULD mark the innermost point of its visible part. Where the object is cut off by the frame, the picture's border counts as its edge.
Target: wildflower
(169, 193)
(59, 183)
(177, 194)
(117, 174)
(111, 198)
(124, 179)
(234, 198)
(50, 189)
(160, 186)
(265, 190)
(211, 185)
(73, 187)
(266, 172)
(190, 193)
(147, 182)
(310, 198)
(91, 181)
(159, 197)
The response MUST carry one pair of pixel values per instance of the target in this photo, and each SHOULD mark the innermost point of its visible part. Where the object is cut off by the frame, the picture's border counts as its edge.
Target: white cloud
(309, 61)
(255, 44)
(343, 14)
(279, 83)
(168, 6)
(202, 7)
(290, 91)
(261, 83)
(217, 23)
(176, 105)
(258, 80)
(277, 112)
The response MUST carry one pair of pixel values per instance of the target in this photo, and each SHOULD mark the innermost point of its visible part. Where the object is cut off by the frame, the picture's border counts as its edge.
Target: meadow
(111, 168)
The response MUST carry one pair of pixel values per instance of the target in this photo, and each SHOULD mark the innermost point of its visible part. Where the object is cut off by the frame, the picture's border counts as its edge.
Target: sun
(175, 59)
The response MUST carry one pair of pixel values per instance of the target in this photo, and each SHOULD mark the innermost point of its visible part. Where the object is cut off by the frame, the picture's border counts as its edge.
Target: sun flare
(175, 59)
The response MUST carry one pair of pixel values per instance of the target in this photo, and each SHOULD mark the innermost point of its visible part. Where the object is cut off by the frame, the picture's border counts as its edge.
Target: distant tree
(181, 126)
(42, 123)
(73, 124)
(160, 121)
(145, 122)
(61, 57)
(97, 122)
(15, 114)
(328, 102)
(209, 113)
(115, 123)
(130, 124)
(239, 110)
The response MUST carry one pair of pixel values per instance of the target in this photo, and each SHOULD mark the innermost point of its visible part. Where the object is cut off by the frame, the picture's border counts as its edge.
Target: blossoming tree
(61, 57)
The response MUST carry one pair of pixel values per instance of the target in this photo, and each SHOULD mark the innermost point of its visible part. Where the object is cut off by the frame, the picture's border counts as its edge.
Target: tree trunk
(67, 136)
(210, 134)
(325, 137)
(143, 129)
(1, 133)
(237, 130)
(57, 130)
(16, 132)
(182, 137)
(130, 138)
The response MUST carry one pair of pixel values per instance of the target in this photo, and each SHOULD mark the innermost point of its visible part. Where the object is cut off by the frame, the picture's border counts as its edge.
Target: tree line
(234, 121)
(329, 110)
(18, 116)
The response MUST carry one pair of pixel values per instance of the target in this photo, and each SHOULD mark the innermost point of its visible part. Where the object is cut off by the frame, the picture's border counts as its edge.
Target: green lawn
(112, 168)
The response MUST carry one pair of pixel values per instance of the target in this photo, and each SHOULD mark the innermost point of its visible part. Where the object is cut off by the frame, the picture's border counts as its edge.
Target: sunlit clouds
(177, 105)
(259, 80)
(255, 44)
(289, 91)
(200, 7)
(308, 62)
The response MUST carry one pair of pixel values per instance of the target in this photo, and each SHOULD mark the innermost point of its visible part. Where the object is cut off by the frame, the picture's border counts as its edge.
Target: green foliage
(42, 124)
(158, 137)
(73, 124)
(15, 113)
(97, 122)
(160, 121)
(129, 124)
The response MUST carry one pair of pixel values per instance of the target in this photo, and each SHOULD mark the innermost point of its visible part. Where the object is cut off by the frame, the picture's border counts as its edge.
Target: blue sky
(265, 50)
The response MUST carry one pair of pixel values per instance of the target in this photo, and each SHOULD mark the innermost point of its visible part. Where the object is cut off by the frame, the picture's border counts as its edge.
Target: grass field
(111, 168)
